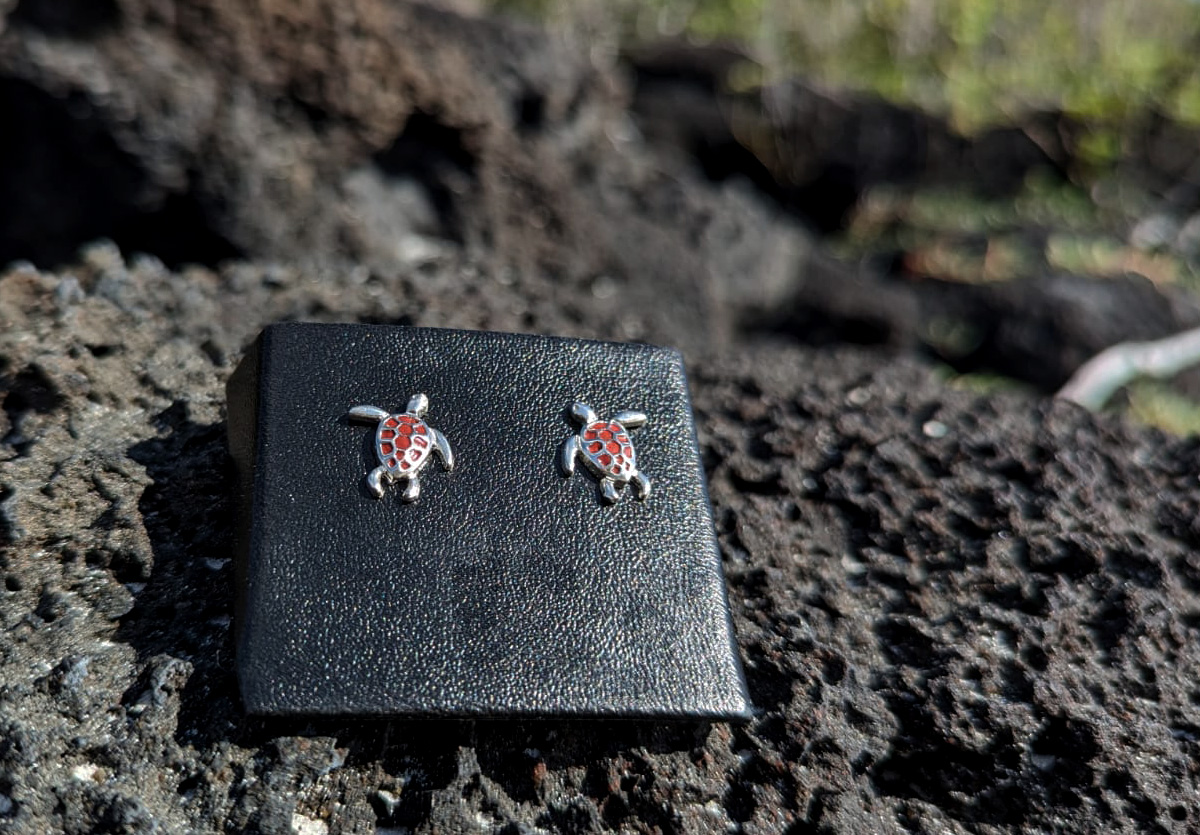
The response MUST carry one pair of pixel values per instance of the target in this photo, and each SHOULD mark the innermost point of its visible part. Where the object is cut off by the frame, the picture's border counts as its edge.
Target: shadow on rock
(68, 181)
(184, 612)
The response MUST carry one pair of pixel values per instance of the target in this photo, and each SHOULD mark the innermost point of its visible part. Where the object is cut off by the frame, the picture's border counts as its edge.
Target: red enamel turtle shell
(402, 443)
(607, 446)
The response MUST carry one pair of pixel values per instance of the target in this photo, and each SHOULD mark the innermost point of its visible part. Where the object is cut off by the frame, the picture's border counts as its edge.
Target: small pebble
(603, 287)
(1044, 762)
(935, 429)
(85, 772)
(302, 825)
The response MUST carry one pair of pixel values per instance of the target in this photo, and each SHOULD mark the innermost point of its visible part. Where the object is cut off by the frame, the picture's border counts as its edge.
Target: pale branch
(1098, 379)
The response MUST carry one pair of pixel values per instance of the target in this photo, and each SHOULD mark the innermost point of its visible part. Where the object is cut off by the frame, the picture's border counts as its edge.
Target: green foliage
(1156, 404)
(980, 382)
(980, 62)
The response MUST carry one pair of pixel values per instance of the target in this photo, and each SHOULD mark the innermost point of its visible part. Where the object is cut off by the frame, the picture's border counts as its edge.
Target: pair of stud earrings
(404, 443)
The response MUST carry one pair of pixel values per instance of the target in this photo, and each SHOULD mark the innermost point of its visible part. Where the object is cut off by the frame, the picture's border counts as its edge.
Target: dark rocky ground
(958, 613)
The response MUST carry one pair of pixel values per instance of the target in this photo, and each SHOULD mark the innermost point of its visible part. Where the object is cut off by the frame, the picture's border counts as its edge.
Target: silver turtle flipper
(371, 413)
(375, 481)
(630, 419)
(566, 455)
(443, 449)
(608, 490)
(641, 486)
(411, 490)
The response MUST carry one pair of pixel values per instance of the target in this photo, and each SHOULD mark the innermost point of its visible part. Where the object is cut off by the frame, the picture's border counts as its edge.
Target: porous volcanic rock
(367, 133)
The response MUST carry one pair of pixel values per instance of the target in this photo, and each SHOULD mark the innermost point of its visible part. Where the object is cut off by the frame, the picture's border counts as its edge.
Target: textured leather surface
(506, 589)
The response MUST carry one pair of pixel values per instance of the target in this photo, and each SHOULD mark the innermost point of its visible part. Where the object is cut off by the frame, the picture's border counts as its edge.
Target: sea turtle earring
(605, 449)
(403, 443)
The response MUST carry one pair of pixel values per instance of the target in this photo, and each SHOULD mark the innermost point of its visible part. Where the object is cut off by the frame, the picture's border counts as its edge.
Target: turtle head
(582, 413)
(418, 405)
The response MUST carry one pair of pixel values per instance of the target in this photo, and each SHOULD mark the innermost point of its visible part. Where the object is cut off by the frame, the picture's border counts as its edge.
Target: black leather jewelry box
(505, 589)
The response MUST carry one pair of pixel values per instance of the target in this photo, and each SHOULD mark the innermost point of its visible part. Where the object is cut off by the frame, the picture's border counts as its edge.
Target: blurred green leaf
(1156, 404)
(978, 62)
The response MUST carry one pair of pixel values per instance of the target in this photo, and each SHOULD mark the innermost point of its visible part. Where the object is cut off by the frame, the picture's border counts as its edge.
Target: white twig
(1098, 379)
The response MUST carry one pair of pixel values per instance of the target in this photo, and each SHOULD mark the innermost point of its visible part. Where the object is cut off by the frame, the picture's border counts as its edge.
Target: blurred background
(1004, 188)
(958, 140)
